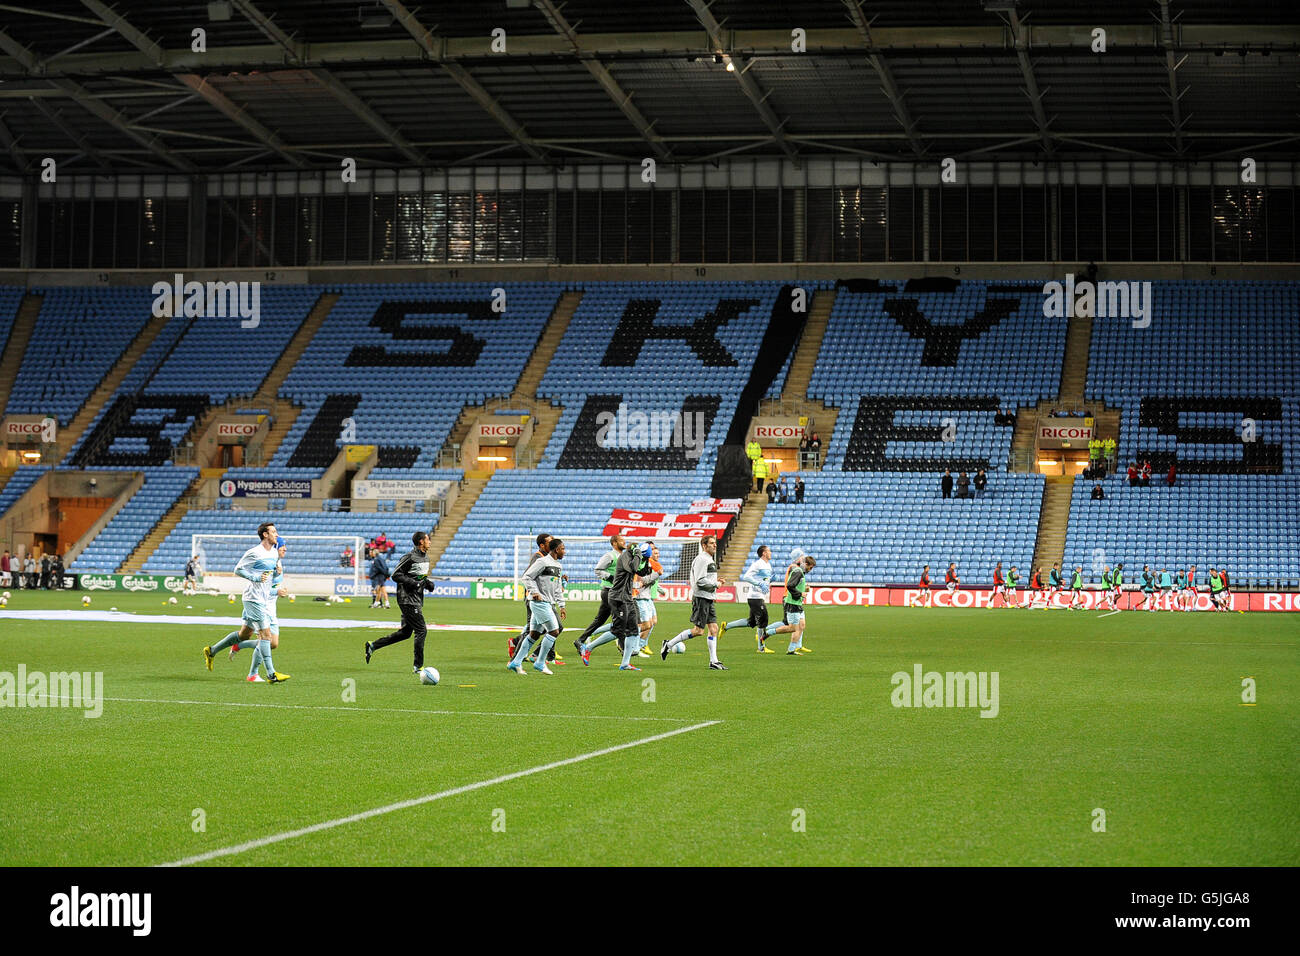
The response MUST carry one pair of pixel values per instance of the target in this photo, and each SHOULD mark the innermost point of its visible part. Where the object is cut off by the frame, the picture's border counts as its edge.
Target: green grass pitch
(1139, 715)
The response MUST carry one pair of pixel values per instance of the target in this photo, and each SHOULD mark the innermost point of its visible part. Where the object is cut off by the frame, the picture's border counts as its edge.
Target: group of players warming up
(1179, 587)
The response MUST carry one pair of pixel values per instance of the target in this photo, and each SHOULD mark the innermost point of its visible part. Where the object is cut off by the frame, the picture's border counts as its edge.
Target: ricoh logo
(626, 429)
(1102, 300)
(211, 300)
(75, 909)
(950, 689)
(778, 431)
(1069, 431)
(73, 690)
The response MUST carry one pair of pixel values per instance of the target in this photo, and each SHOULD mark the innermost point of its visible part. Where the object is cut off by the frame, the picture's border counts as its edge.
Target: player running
(646, 594)
(1147, 583)
(1076, 589)
(796, 589)
(412, 579)
(277, 591)
(1189, 589)
(605, 575)
(999, 587)
(704, 618)
(512, 643)
(1054, 583)
(544, 585)
(924, 596)
(1036, 588)
(622, 604)
(257, 567)
(1013, 580)
(759, 577)
(951, 581)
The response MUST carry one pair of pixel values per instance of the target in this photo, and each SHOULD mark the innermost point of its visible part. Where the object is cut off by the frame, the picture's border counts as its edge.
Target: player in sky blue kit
(759, 577)
(544, 586)
(277, 591)
(257, 567)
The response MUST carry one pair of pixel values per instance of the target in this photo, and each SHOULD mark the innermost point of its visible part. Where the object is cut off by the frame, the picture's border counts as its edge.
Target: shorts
(791, 614)
(258, 618)
(703, 612)
(378, 582)
(645, 609)
(951, 587)
(543, 616)
(757, 612)
(1010, 590)
(623, 618)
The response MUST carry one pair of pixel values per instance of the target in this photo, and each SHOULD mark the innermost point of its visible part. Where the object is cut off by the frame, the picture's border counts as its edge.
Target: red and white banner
(853, 595)
(681, 593)
(658, 524)
(725, 506)
(237, 429)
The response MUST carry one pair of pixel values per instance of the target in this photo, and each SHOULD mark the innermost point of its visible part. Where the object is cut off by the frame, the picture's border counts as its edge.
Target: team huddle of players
(630, 576)
(1180, 586)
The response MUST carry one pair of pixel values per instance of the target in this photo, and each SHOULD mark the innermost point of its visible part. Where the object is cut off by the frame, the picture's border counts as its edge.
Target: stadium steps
(743, 535)
(20, 333)
(134, 564)
(6, 473)
(1074, 367)
(470, 489)
(794, 395)
(1053, 520)
(545, 415)
(285, 413)
(103, 393)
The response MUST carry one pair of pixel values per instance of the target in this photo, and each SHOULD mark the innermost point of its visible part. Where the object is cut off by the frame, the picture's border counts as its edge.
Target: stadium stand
(22, 479)
(114, 544)
(80, 334)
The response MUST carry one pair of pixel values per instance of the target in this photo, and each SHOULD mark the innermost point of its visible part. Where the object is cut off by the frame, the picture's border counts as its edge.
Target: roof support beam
(622, 99)
(10, 143)
(77, 137)
(748, 84)
(1171, 67)
(360, 109)
(433, 47)
(1021, 37)
(239, 116)
(295, 52)
(888, 86)
(119, 23)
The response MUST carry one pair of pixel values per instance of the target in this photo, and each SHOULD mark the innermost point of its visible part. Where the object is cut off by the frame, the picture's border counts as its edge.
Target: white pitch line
(386, 710)
(1107, 614)
(427, 798)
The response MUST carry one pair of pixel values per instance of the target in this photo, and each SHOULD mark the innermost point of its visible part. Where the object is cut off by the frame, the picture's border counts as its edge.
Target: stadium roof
(299, 84)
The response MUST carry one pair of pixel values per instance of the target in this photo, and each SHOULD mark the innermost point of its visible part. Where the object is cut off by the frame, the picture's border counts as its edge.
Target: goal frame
(311, 576)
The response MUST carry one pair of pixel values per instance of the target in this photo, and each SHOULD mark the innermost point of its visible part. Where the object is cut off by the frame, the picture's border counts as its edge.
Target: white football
(679, 648)
(3, 600)
(430, 676)
(85, 601)
(171, 600)
(230, 599)
(5, 595)
(291, 598)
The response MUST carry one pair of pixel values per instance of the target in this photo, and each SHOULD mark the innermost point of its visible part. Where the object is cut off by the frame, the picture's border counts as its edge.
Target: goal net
(581, 552)
(312, 562)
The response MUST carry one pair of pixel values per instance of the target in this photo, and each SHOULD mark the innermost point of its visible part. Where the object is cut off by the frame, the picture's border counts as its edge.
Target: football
(85, 601)
(5, 595)
(230, 599)
(679, 648)
(3, 600)
(430, 676)
(171, 600)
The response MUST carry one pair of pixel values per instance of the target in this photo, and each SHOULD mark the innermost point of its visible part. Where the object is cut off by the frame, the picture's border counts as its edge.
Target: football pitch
(1127, 739)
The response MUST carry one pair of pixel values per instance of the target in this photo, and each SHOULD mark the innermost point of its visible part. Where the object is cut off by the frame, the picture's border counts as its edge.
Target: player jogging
(379, 572)
(544, 586)
(792, 607)
(191, 575)
(1076, 589)
(644, 593)
(999, 587)
(759, 577)
(1189, 589)
(1035, 588)
(704, 619)
(1013, 580)
(257, 567)
(951, 581)
(622, 606)
(1166, 585)
(512, 643)
(1148, 585)
(412, 579)
(924, 596)
(605, 575)
(277, 591)
(1054, 583)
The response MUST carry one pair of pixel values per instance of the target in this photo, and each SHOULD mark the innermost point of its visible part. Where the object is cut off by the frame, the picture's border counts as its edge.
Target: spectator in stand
(5, 578)
(783, 491)
(963, 485)
(981, 480)
(382, 543)
(1098, 493)
(1133, 474)
(798, 490)
(1171, 479)
(945, 483)
(348, 558)
(771, 492)
(1146, 474)
(815, 447)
